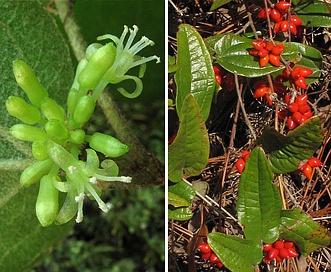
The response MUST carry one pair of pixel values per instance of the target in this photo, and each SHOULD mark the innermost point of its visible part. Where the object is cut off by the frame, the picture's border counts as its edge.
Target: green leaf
(299, 228)
(29, 33)
(313, 14)
(180, 194)
(219, 3)
(259, 202)
(180, 214)
(195, 72)
(190, 150)
(286, 152)
(237, 254)
(232, 53)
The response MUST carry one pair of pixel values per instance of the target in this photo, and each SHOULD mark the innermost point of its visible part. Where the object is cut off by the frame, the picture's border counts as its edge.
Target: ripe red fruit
(307, 115)
(283, 253)
(304, 108)
(282, 6)
(264, 61)
(314, 162)
(284, 26)
(305, 71)
(206, 256)
(296, 20)
(245, 154)
(269, 100)
(267, 260)
(287, 99)
(292, 252)
(307, 170)
(254, 52)
(293, 107)
(274, 60)
(278, 49)
(301, 99)
(219, 264)
(263, 53)
(204, 248)
(218, 79)
(283, 114)
(260, 92)
(288, 244)
(300, 83)
(217, 69)
(296, 117)
(279, 244)
(267, 247)
(263, 13)
(214, 259)
(272, 253)
(277, 27)
(293, 29)
(240, 165)
(275, 15)
(258, 44)
(269, 46)
(290, 123)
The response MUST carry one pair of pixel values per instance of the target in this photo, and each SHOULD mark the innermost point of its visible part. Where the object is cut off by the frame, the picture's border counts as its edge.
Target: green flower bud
(47, 204)
(73, 98)
(28, 133)
(77, 136)
(68, 210)
(39, 150)
(84, 110)
(91, 49)
(56, 129)
(80, 67)
(101, 60)
(17, 107)
(107, 145)
(35, 172)
(28, 81)
(52, 110)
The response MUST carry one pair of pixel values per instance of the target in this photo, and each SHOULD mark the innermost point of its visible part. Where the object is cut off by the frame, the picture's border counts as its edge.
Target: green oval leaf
(180, 214)
(180, 194)
(313, 14)
(286, 152)
(237, 254)
(28, 32)
(299, 228)
(190, 150)
(259, 202)
(195, 72)
(218, 3)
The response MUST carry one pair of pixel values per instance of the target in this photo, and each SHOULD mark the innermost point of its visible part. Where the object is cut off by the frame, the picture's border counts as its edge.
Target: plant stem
(141, 165)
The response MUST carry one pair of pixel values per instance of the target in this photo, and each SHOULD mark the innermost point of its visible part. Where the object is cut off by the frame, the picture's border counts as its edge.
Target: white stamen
(93, 180)
(72, 169)
(121, 179)
(79, 198)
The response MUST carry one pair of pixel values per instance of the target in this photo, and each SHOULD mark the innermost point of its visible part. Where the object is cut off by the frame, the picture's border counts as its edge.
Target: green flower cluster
(57, 135)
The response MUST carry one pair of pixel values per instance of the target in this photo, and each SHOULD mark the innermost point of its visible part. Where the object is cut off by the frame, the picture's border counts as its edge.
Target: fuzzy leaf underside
(29, 33)
(259, 202)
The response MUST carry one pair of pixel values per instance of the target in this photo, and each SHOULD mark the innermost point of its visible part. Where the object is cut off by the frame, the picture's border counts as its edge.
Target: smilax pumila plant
(57, 135)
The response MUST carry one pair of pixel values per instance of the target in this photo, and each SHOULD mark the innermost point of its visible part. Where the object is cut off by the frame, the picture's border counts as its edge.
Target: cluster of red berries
(262, 89)
(279, 250)
(208, 254)
(278, 16)
(297, 112)
(224, 78)
(240, 163)
(267, 52)
(296, 75)
(307, 168)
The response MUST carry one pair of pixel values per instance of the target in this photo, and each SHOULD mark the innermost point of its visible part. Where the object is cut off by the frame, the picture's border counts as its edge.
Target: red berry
(293, 29)
(274, 60)
(293, 107)
(272, 253)
(300, 83)
(240, 165)
(269, 100)
(307, 115)
(301, 99)
(269, 46)
(217, 69)
(304, 108)
(204, 248)
(275, 15)
(283, 114)
(206, 256)
(296, 117)
(296, 20)
(267, 247)
(287, 99)
(254, 52)
(279, 244)
(260, 92)
(288, 244)
(278, 49)
(283, 253)
(218, 79)
(263, 53)
(314, 162)
(290, 123)
(306, 170)
(263, 13)
(267, 260)
(219, 264)
(304, 71)
(284, 25)
(278, 259)
(277, 27)
(245, 154)
(264, 61)
(292, 252)
(214, 259)
(282, 6)
(258, 44)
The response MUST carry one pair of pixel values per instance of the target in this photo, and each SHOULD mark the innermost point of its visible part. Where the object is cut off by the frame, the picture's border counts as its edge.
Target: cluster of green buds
(57, 135)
